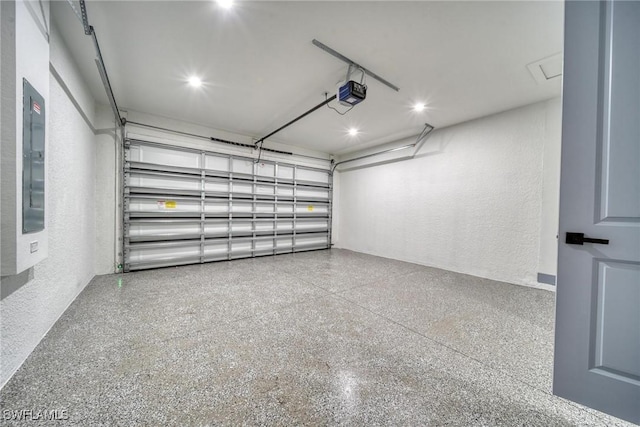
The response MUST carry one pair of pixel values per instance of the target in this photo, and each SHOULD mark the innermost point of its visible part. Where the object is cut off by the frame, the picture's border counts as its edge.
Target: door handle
(579, 239)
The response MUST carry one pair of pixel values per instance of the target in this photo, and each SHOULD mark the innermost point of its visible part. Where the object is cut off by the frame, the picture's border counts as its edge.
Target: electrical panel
(33, 159)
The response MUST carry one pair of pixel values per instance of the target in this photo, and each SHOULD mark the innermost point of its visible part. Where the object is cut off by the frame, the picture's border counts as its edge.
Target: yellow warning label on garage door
(167, 204)
(310, 208)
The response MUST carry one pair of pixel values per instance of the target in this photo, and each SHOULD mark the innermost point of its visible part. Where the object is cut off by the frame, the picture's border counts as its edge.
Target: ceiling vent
(546, 69)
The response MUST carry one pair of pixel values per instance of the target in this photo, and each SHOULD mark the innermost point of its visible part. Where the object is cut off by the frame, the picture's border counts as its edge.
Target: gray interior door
(187, 206)
(597, 344)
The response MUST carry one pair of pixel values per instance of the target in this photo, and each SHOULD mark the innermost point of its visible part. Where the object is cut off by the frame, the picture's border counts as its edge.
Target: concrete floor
(317, 338)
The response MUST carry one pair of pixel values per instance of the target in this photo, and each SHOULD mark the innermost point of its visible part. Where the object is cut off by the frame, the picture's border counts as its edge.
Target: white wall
(470, 201)
(30, 310)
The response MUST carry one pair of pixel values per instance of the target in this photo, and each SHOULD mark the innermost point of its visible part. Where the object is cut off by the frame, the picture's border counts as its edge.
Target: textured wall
(470, 202)
(30, 311)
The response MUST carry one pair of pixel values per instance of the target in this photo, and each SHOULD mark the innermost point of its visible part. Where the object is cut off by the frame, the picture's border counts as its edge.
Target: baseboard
(548, 279)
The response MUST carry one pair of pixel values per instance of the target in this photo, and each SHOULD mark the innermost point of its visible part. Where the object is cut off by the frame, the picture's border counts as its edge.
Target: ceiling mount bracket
(102, 69)
(85, 18)
(353, 64)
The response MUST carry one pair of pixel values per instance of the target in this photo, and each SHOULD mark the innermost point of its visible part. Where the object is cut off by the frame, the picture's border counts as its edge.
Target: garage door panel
(164, 193)
(265, 170)
(216, 163)
(170, 205)
(285, 208)
(241, 207)
(284, 191)
(311, 176)
(238, 227)
(312, 225)
(241, 166)
(240, 246)
(265, 190)
(216, 226)
(285, 172)
(216, 185)
(264, 245)
(284, 226)
(312, 209)
(213, 206)
(311, 193)
(186, 206)
(284, 244)
(311, 241)
(164, 182)
(215, 248)
(164, 156)
(145, 230)
(242, 187)
(147, 252)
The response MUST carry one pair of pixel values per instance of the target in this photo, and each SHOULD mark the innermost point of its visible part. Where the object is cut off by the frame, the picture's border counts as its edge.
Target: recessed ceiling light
(195, 81)
(353, 131)
(419, 107)
(225, 4)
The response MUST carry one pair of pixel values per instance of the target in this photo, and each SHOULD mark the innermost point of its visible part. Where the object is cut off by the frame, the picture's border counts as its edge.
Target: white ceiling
(464, 59)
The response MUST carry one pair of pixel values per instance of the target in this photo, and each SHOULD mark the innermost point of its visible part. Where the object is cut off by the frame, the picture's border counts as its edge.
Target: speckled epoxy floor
(317, 338)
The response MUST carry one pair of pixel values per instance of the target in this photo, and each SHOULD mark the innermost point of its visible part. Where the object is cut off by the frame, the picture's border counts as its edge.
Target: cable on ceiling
(326, 94)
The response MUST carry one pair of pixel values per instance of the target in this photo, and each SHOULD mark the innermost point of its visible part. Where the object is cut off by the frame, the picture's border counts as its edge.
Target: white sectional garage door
(186, 206)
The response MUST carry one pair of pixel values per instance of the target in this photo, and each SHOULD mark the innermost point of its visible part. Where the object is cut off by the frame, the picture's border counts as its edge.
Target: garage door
(186, 206)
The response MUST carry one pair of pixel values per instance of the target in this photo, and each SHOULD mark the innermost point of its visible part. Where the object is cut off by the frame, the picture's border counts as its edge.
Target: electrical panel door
(33, 158)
